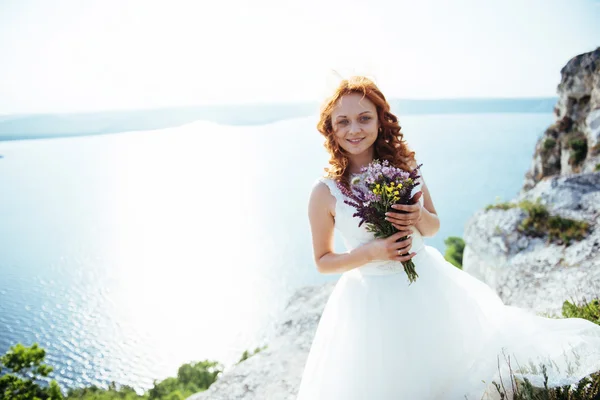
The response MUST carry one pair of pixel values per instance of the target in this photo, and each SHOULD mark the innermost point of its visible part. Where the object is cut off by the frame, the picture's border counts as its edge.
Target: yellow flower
(389, 189)
(396, 193)
(400, 186)
(392, 184)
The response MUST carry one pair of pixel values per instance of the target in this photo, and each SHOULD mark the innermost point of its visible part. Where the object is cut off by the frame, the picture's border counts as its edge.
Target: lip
(355, 142)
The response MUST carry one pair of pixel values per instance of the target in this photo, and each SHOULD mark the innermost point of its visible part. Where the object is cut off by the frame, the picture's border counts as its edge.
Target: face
(354, 122)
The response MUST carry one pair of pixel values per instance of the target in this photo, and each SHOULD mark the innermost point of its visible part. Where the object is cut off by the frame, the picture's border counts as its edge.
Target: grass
(501, 206)
(246, 354)
(586, 389)
(587, 310)
(540, 223)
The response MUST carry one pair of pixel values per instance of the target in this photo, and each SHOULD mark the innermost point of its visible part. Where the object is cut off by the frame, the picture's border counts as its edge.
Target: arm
(322, 224)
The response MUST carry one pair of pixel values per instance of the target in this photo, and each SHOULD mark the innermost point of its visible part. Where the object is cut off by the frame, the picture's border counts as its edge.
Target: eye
(365, 118)
(343, 122)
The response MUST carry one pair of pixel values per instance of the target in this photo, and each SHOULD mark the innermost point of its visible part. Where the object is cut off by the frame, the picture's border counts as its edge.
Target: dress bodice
(354, 236)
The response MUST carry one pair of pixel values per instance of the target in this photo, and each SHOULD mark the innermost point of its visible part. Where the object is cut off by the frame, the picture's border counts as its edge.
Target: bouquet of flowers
(372, 192)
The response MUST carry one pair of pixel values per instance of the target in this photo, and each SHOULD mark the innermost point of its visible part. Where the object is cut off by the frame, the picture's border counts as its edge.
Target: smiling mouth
(355, 141)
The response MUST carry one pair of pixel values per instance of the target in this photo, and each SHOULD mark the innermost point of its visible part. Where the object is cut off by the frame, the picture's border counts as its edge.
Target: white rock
(528, 272)
(275, 373)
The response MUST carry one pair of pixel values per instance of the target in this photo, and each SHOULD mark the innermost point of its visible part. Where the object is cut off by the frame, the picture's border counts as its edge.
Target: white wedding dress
(446, 336)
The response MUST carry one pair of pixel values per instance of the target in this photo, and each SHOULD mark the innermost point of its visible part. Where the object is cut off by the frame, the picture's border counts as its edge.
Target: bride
(445, 336)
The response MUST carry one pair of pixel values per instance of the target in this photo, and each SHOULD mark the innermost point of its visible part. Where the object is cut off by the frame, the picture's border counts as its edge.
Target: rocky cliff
(529, 270)
(572, 144)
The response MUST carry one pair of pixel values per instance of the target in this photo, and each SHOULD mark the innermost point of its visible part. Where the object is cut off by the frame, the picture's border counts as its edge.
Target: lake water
(129, 254)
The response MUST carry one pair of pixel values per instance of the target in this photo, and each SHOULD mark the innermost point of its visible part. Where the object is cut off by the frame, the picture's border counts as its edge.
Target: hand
(412, 215)
(390, 249)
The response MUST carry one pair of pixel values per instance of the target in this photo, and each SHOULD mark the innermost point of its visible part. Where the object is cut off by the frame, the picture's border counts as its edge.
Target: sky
(73, 55)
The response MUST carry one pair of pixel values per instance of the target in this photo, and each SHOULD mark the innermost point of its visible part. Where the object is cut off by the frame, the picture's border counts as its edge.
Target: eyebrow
(364, 112)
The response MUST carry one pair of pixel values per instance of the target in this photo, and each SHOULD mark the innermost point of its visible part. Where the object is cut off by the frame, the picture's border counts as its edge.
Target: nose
(354, 127)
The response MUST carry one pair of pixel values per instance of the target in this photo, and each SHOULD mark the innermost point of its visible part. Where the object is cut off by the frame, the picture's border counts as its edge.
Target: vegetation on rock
(246, 354)
(540, 223)
(577, 142)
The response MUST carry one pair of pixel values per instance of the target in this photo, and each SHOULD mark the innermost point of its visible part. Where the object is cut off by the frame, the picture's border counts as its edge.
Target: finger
(406, 257)
(403, 250)
(402, 230)
(400, 234)
(393, 217)
(403, 243)
(403, 216)
(416, 197)
(406, 207)
(404, 225)
(398, 216)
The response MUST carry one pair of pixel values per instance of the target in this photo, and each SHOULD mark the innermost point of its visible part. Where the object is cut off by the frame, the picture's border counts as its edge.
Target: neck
(356, 162)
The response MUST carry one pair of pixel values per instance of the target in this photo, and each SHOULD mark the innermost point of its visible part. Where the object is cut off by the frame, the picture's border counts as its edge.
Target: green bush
(191, 378)
(549, 144)
(455, 248)
(22, 368)
(597, 168)
(578, 144)
(112, 393)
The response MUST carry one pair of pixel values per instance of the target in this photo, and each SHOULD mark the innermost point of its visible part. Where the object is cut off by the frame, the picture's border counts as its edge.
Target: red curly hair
(389, 145)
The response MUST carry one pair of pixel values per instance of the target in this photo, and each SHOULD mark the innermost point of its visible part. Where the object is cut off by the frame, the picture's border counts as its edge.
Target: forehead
(352, 104)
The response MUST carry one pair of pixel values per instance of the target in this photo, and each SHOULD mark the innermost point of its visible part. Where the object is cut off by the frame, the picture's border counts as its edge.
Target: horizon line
(262, 103)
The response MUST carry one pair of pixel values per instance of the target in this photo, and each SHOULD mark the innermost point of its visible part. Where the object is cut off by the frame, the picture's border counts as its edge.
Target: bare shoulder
(321, 199)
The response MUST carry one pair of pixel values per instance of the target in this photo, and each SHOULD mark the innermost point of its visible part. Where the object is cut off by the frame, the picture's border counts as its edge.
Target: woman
(447, 335)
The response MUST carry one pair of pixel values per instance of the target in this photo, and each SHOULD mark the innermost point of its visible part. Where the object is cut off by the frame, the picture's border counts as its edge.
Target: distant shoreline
(44, 126)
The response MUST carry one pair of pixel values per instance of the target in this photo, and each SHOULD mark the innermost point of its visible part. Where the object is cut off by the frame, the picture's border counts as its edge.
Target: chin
(356, 151)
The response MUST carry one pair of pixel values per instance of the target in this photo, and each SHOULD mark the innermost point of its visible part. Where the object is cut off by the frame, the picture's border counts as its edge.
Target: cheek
(374, 130)
(339, 135)
(337, 138)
